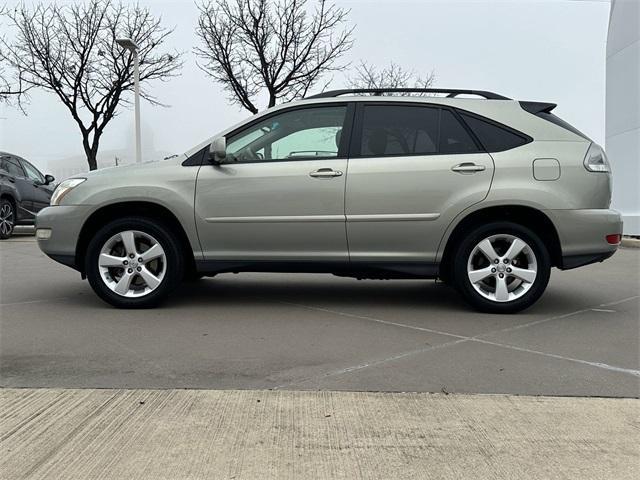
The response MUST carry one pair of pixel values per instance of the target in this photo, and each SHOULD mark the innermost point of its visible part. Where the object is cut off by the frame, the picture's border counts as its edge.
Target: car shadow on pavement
(321, 291)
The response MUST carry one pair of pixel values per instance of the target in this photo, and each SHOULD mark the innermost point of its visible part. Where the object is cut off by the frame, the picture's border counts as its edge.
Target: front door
(413, 169)
(40, 191)
(280, 194)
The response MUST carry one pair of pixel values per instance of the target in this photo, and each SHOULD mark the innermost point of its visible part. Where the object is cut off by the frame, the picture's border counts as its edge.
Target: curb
(630, 242)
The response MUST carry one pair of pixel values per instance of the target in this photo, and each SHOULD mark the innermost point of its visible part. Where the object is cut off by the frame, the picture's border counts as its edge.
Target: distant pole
(136, 76)
(130, 45)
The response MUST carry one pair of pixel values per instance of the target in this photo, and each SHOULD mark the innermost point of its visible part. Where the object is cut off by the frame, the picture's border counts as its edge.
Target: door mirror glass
(48, 179)
(218, 150)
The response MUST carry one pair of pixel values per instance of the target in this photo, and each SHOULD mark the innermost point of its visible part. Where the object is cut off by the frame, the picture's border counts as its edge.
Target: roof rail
(379, 91)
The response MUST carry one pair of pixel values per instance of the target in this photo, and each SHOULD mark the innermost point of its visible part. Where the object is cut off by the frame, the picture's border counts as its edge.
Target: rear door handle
(468, 167)
(325, 173)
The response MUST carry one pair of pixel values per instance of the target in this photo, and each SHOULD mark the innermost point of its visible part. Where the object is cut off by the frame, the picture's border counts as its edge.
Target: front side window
(392, 130)
(301, 134)
(32, 172)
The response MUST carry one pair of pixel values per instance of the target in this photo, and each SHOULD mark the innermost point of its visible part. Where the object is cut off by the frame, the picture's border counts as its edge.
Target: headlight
(596, 160)
(64, 188)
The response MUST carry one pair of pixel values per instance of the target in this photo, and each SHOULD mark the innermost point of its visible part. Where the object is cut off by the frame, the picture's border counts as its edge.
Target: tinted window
(12, 167)
(454, 138)
(493, 137)
(293, 135)
(399, 130)
(413, 130)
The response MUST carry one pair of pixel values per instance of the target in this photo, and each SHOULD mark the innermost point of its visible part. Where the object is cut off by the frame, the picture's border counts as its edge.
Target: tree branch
(71, 51)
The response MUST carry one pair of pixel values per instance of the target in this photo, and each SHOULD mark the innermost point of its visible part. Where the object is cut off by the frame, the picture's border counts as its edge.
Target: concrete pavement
(186, 434)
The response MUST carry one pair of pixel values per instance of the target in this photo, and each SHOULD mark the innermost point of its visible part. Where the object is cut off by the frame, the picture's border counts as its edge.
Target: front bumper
(582, 235)
(65, 223)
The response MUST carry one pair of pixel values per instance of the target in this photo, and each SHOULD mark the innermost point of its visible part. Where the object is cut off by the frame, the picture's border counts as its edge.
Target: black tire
(174, 262)
(465, 249)
(7, 224)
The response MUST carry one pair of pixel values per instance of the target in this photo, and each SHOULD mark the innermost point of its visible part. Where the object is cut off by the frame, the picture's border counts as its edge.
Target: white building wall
(623, 110)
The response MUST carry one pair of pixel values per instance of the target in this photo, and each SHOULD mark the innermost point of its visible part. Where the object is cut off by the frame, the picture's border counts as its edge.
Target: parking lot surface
(307, 332)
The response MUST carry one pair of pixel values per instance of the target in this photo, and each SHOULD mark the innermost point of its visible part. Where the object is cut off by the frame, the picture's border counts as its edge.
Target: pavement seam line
(33, 301)
(373, 319)
(461, 339)
(373, 363)
(605, 366)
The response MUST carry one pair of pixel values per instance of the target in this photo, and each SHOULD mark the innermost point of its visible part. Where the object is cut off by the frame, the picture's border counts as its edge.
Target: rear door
(412, 169)
(23, 186)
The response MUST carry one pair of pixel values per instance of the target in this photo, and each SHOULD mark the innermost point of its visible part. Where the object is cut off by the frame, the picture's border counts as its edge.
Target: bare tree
(11, 86)
(71, 51)
(280, 48)
(392, 76)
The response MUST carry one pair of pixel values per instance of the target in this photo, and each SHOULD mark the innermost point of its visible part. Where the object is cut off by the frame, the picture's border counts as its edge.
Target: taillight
(596, 160)
(614, 239)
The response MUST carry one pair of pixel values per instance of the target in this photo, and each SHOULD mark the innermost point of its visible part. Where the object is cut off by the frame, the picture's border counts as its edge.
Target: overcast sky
(546, 50)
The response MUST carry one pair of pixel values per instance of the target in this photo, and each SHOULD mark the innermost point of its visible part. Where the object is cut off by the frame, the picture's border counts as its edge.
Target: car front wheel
(502, 267)
(134, 263)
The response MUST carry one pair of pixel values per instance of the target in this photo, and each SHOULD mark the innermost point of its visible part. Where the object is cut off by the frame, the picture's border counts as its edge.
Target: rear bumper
(582, 235)
(575, 261)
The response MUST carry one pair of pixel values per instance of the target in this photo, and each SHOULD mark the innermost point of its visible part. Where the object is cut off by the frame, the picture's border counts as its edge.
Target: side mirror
(218, 150)
(48, 179)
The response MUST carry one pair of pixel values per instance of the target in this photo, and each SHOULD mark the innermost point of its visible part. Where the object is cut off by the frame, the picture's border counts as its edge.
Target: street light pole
(136, 80)
(130, 45)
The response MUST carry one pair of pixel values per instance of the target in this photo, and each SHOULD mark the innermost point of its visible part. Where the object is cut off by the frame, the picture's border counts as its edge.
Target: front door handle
(468, 167)
(325, 173)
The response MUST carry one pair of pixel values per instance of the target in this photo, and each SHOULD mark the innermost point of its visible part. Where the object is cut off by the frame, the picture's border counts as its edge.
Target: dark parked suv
(24, 191)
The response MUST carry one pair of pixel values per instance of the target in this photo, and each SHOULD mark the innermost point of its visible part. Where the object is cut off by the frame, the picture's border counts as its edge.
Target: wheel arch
(10, 197)
(527, 216)
(145, 209)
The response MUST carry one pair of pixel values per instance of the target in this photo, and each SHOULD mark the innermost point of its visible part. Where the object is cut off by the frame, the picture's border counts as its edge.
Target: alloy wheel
(132, 263)
(502, 268)
(7, 219)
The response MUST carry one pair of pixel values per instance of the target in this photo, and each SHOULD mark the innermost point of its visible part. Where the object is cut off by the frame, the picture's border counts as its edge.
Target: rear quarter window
(494, 137)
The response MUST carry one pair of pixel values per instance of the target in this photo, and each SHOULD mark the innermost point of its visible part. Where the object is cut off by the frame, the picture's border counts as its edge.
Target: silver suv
(486, 194)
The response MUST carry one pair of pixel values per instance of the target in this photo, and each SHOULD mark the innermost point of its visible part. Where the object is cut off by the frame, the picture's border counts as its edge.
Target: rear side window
(454, 138)
(11, 166)
(394, 130)
(390, 130)
(494, 138)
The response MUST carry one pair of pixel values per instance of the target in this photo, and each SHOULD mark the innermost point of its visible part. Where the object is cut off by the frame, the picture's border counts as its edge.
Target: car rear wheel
(7, 218)
(134, 263)
(502, 267)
